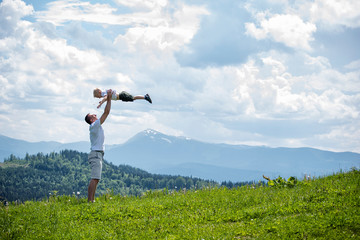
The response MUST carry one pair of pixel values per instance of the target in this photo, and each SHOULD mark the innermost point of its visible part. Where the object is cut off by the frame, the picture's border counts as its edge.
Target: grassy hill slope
(324, 208)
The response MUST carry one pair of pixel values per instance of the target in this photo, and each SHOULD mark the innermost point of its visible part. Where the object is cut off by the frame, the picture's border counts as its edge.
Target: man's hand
(109, 94)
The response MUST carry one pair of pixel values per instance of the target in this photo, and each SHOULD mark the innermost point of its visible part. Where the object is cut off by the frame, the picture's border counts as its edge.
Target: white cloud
(155, 15)
(329, 13)
(10, 13)
(49, 66)
(45, 83)
(139, 4)
(154, 24)
(269, 91)
(334, 12)
(317, 63)
(48, 79)
(353, 65)
(42, 124)
(169, 34)
(345, 136)
(60, 12)
(56, 79)
(288, 29)
(332, 79)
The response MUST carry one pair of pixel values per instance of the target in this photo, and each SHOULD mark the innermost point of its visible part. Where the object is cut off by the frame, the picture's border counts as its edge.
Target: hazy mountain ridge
(19, 148)
(156, 152)
(159, 153)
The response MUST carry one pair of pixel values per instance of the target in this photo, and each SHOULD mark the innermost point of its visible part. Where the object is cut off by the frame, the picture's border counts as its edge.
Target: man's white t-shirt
(97, 136)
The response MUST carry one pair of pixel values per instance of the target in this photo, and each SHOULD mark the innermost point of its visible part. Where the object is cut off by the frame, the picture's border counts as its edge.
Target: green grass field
(323, 208)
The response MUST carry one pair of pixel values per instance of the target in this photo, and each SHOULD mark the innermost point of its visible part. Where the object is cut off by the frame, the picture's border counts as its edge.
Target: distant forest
(36, 177)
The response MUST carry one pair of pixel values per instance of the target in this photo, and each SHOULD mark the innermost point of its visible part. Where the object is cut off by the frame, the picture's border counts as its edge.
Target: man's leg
(91, 189)
(95, 160)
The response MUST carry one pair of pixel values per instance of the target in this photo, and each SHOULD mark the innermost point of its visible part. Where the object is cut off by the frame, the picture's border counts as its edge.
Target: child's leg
(146, 97)
(139, 97)
(127, 97)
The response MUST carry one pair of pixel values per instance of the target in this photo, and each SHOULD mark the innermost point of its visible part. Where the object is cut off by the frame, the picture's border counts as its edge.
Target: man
(97, 138)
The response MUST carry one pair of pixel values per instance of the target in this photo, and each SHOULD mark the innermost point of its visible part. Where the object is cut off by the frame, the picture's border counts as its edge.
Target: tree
(180, 182)
(189, 183)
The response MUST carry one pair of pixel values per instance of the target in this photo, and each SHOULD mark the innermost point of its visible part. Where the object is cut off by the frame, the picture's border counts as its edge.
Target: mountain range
(156, 152)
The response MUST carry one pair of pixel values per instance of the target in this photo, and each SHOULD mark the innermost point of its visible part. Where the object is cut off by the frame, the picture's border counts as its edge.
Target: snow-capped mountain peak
(150, 132)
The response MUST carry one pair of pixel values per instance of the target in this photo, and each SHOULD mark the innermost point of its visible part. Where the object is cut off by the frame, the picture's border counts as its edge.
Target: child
(123, 96)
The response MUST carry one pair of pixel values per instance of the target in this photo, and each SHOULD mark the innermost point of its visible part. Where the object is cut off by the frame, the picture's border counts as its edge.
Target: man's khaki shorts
(95, 160)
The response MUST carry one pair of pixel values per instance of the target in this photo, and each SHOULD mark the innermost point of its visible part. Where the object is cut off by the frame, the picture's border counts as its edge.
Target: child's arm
(102, 101)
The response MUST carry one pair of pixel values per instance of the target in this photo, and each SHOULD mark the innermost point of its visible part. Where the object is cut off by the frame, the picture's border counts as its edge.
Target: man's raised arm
(107, 107)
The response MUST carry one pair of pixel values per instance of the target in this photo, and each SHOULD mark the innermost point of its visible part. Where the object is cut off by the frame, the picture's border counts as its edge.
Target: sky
(276, 73)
